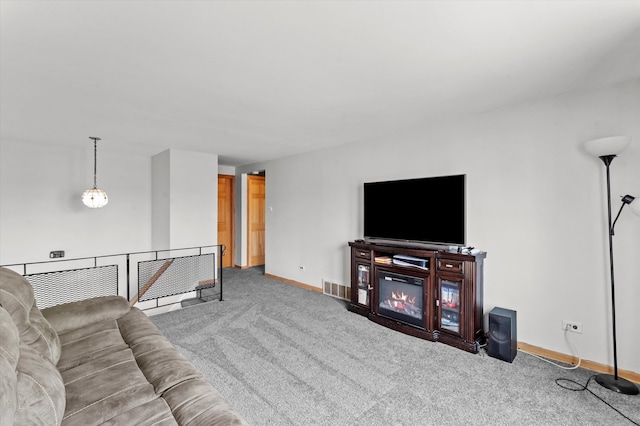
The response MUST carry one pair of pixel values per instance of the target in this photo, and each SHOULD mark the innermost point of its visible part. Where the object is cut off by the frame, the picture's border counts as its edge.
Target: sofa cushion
(16, 296)
(39, 389)
(84, 344)
(163, 365)
(49, 340)
(104, 388)
(158, 359)
(154, 413)
(69, 316)
(195, 402)
(9, 353)
(137, 328)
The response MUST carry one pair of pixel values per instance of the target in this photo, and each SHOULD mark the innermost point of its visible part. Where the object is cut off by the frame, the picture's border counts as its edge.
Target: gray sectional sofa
(96, 361)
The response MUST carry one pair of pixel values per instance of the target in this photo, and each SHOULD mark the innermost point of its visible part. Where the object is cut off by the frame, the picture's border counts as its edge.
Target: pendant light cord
(95, 160)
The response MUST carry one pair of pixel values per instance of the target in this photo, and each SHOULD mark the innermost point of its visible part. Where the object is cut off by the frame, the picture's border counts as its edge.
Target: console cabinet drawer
(451, 265)
(362, 254)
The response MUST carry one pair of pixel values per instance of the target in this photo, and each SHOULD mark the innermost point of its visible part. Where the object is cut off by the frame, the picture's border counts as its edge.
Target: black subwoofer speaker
(503, 336)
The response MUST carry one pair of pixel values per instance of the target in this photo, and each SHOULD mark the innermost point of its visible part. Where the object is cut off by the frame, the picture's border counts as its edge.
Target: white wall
(41, 209)
(226, 170)
(535, 203)
(185, 200)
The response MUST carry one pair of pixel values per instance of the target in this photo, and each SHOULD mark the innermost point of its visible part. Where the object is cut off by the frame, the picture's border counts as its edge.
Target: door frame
(248, 223)
(230, 251)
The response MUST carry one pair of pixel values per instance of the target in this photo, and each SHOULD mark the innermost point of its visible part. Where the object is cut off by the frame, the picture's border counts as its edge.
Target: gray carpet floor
(282, 355)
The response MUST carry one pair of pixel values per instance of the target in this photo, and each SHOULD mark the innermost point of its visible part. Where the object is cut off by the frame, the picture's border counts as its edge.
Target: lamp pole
(608, 381)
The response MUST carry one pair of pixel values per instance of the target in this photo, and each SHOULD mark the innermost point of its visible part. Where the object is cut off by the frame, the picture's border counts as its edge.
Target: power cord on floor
(581, 388)
(573, 350)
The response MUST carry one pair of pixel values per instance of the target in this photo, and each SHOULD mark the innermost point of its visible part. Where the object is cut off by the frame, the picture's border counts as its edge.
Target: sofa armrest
(73, 315)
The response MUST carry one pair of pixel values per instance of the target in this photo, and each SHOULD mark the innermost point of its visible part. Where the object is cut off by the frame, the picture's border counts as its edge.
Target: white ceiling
(257, 80)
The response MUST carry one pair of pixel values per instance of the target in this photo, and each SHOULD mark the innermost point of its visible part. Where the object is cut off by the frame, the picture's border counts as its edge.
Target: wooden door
(226, 209)
(256, 219)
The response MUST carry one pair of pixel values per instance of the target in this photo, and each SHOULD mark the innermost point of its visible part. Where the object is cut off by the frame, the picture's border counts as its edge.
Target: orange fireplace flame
(403, 297)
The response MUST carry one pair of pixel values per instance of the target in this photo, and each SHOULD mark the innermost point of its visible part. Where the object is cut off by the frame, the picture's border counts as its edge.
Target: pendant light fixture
(94, 197)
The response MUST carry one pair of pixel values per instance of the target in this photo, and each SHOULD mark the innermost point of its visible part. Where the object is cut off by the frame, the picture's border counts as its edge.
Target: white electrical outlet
(573, 326)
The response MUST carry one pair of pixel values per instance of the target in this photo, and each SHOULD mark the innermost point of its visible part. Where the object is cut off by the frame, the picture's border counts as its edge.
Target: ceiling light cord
(95, 161)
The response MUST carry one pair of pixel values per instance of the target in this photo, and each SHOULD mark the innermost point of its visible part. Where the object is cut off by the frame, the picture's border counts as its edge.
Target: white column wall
(160, 196)
(186, 197)
(242, 232)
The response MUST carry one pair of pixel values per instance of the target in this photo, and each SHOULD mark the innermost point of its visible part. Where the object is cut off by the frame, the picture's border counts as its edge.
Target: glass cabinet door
(450, 305)
(364, 274)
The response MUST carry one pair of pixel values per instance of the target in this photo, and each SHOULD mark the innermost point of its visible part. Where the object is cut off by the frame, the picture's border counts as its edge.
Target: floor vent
(336, 290)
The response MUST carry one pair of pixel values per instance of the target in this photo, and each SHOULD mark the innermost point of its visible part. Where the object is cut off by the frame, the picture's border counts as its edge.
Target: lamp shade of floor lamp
(606, 149)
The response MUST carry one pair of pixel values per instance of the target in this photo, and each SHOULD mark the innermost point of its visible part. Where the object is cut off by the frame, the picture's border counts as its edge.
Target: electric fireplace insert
(401, 297)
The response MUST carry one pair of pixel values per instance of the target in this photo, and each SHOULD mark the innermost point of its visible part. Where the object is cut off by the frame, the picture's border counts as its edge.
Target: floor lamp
(607, 149)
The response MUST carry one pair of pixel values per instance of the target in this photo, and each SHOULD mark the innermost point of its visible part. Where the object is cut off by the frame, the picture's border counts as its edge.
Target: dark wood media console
(424, 292)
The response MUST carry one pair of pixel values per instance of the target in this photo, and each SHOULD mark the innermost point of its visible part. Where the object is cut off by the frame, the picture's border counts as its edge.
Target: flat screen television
(425, 210)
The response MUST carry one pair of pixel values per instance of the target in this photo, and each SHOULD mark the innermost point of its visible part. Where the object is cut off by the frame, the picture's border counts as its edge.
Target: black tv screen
(430, 210)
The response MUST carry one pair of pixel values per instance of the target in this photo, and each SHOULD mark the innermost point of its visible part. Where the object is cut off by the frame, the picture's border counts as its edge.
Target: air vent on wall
(336, 290)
